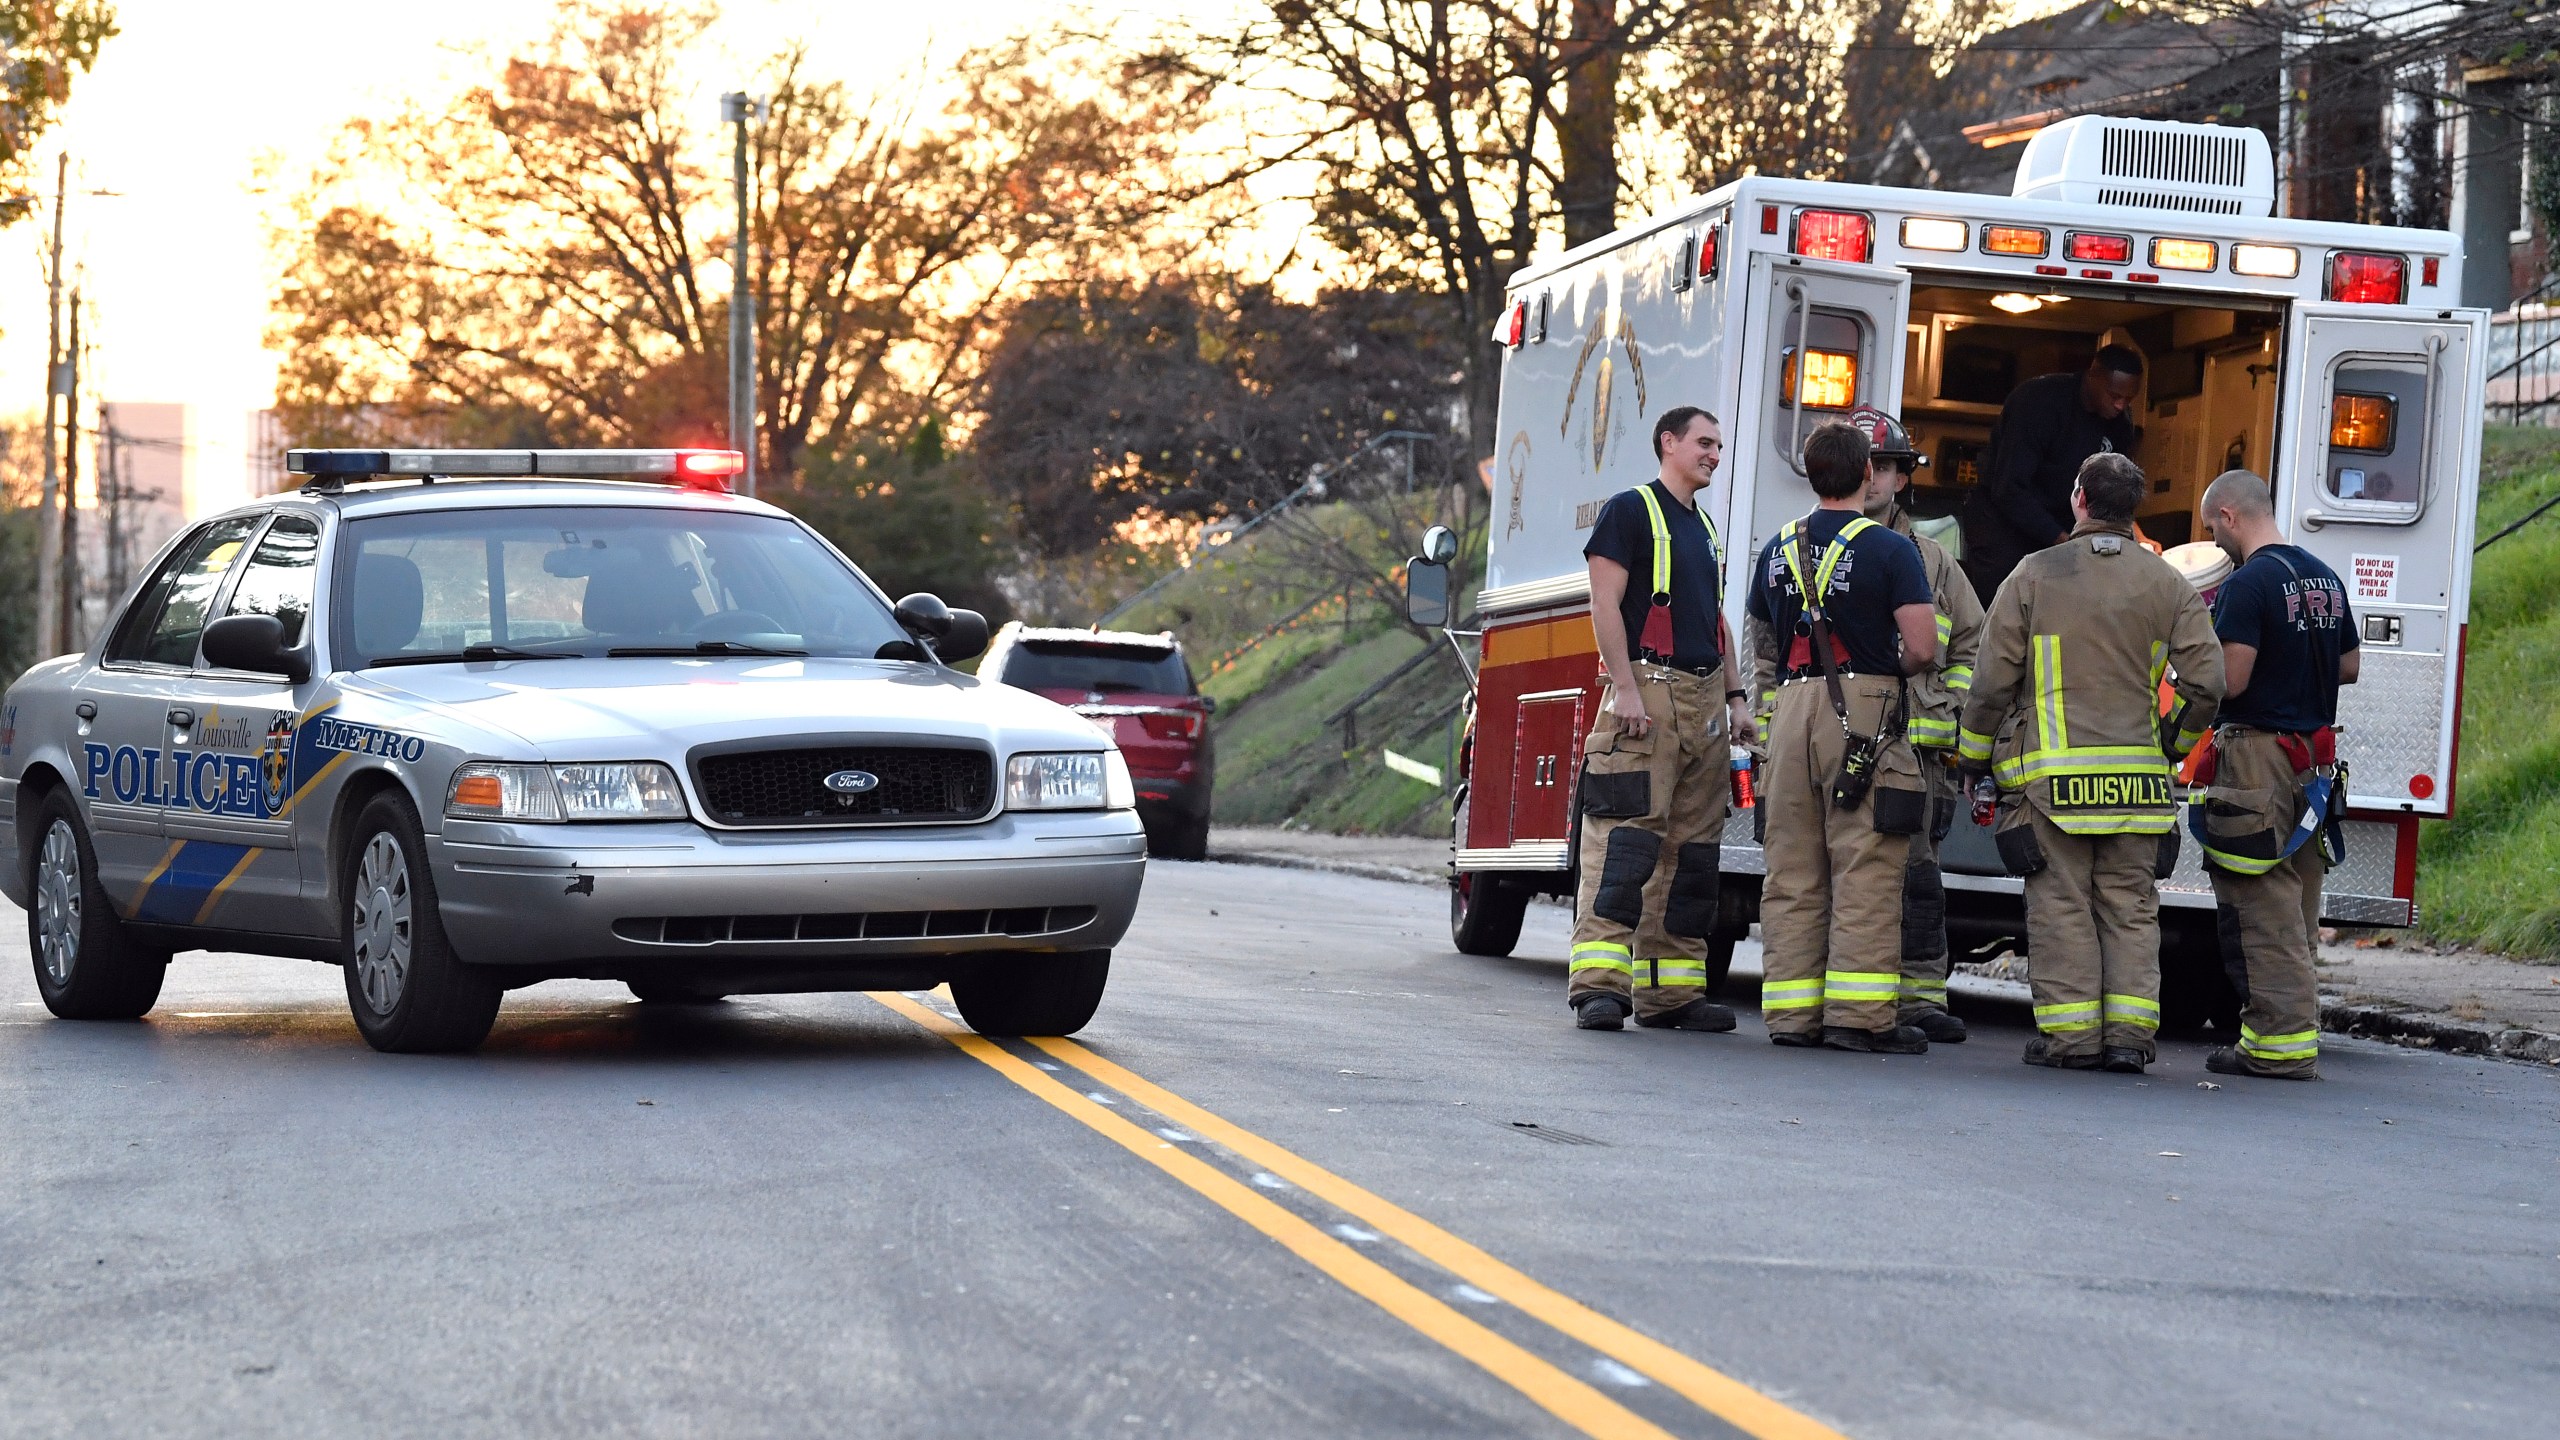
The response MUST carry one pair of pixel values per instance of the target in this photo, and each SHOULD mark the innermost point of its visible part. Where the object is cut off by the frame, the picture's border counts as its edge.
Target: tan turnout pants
(1653, 809)
(1924, 900)
(2270, 923)
(2093, 940)
(1831, 904)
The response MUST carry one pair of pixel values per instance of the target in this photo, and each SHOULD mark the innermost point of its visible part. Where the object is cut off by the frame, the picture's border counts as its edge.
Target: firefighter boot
(1703, 1015)
(1892, 1040)
(2123, 1060)
(1941, 1027)
(1600, 1012)
(2039, 1053)
(2229, 1061)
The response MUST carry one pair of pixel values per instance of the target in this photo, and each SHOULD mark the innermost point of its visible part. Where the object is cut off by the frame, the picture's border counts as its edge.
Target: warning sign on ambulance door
(2376, 577)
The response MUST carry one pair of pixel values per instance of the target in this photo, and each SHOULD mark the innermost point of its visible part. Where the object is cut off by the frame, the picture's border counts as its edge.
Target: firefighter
(1848, 600)
(2288, 643)
(2049, 425)
(1937, 702)
(2065, 712)
(1655, 766)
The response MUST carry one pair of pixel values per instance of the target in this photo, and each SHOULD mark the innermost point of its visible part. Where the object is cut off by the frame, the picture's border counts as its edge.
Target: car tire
(88, 965)
(1033, 994)
(1183, 840)
(1485, 913)
(667, 992)
(409, 992)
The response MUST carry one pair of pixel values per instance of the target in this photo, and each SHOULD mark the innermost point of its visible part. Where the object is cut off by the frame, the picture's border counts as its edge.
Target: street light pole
(737, 108)
(49, 627)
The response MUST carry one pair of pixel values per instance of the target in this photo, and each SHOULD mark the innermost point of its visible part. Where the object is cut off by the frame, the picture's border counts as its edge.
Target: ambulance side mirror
(1426, 592)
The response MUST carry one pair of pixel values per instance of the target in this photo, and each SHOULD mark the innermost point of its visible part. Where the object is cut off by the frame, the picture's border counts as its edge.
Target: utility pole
(111, 499)
(737, 108)
(48, 555)
(67, 574)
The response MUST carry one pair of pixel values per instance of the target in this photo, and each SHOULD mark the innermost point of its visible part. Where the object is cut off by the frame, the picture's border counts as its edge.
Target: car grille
(918, 785)
(880, 925)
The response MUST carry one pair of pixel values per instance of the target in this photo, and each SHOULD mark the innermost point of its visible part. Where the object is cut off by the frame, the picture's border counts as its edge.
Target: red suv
(1139, 688)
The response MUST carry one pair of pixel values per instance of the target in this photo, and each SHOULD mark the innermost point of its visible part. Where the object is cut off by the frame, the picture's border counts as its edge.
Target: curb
(2400, 1027)
(1361, 868)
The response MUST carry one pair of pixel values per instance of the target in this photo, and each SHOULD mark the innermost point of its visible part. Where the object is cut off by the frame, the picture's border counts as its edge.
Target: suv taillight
(1171, 724)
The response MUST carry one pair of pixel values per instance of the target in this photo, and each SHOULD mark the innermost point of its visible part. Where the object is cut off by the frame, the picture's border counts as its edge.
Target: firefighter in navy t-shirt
(1845, 604)
(2288, 642)
(1654, 768)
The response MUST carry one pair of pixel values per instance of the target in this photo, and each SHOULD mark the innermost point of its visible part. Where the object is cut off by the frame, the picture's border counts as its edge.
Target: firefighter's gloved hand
(1970, 773)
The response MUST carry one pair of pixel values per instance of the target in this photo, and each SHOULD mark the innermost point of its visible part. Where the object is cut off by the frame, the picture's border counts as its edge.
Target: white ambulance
(2331, 358)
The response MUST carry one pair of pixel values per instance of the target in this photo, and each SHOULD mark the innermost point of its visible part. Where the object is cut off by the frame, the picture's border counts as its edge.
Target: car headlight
(485, 790)
(620, 791)
(1083, 780)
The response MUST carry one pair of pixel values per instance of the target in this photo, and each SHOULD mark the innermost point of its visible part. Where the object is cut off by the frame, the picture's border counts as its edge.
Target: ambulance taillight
(1835, 235)
(2360, 279)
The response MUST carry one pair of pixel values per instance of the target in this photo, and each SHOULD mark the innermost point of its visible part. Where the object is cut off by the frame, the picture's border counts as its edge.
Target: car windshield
(593, 580)
(1097, 667)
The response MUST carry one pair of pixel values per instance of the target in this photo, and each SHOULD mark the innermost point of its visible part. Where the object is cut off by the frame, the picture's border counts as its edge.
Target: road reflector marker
(1573, 1401)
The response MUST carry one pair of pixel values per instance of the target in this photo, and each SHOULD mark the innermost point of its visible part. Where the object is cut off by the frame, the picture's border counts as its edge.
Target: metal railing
(2524, 358)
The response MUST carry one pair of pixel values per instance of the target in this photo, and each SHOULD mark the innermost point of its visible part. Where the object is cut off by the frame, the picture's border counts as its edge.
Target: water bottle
(1986, 801)
(1745, 792)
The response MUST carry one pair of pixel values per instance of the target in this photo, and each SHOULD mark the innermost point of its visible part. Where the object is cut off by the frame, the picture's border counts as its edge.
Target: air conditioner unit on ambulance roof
(2155, 164)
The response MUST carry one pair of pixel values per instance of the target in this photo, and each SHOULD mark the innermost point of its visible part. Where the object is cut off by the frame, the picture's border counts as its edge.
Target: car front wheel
(1033, 994)
(88, 966)
(409, 992)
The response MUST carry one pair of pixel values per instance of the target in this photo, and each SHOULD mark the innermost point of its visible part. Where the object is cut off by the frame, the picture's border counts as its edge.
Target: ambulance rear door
(1846, 322)
(2381, 481)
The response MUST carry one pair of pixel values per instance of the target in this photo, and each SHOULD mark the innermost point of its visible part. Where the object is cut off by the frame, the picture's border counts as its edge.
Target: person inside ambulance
(2049, 425)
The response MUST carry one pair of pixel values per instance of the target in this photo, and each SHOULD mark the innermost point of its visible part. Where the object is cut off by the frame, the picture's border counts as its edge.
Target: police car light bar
(331, 468)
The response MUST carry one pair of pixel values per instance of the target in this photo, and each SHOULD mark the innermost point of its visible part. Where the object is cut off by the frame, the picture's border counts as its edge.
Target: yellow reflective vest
(2065, 700)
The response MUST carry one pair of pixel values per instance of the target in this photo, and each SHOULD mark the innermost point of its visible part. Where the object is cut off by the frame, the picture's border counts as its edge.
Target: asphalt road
(1411, 1200)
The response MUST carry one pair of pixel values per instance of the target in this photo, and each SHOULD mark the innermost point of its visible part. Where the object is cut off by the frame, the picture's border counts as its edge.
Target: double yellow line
(1571, 1400)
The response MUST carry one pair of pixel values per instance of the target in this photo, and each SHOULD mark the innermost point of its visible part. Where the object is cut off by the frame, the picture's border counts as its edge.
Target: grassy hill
(1283, 651)
(2491, 875)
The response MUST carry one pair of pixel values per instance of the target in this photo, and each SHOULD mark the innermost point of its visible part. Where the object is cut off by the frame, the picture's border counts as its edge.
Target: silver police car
(461, 721)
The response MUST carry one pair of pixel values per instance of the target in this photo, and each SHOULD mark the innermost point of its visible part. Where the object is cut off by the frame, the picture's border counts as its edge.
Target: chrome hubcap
(380, 923)
(58, 895)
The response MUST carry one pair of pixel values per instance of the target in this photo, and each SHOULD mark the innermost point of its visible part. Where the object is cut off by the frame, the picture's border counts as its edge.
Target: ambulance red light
(1834, 235)
(2024, 240)
(2357, 279)
(1707, 252)
(1768, 219)
(1513, 326)
(2422, 786)
(2429, 268)
(2103, 249)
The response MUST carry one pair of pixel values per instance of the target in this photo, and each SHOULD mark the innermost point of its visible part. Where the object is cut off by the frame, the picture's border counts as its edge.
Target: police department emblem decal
(276, 764)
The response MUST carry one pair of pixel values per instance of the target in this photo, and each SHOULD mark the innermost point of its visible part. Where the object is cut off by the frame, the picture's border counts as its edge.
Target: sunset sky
(191, 102)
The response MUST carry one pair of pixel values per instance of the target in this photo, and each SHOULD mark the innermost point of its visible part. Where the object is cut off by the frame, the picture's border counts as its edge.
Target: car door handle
(86, 709)
(181, 717)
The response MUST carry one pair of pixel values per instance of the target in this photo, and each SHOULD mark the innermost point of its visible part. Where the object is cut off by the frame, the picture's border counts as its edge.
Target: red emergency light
(1834, 235)
(2358, 279)
(1513, 327)
(708, 469)
(2101, 249)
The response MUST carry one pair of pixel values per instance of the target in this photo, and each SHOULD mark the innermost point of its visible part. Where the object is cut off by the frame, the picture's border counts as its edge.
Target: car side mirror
(924, 615)
(1426, 593)
(1208, 704)
(254, 643)
(964, 637)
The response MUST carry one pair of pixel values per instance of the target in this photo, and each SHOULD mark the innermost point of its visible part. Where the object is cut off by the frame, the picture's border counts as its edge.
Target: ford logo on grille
(851, 782)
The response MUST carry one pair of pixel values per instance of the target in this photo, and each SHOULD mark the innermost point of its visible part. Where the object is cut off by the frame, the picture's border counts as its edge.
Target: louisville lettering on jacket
(2128, 791)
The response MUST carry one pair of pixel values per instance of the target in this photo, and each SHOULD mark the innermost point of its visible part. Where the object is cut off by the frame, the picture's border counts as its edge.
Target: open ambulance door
(2381, 481)
(1821, 338)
